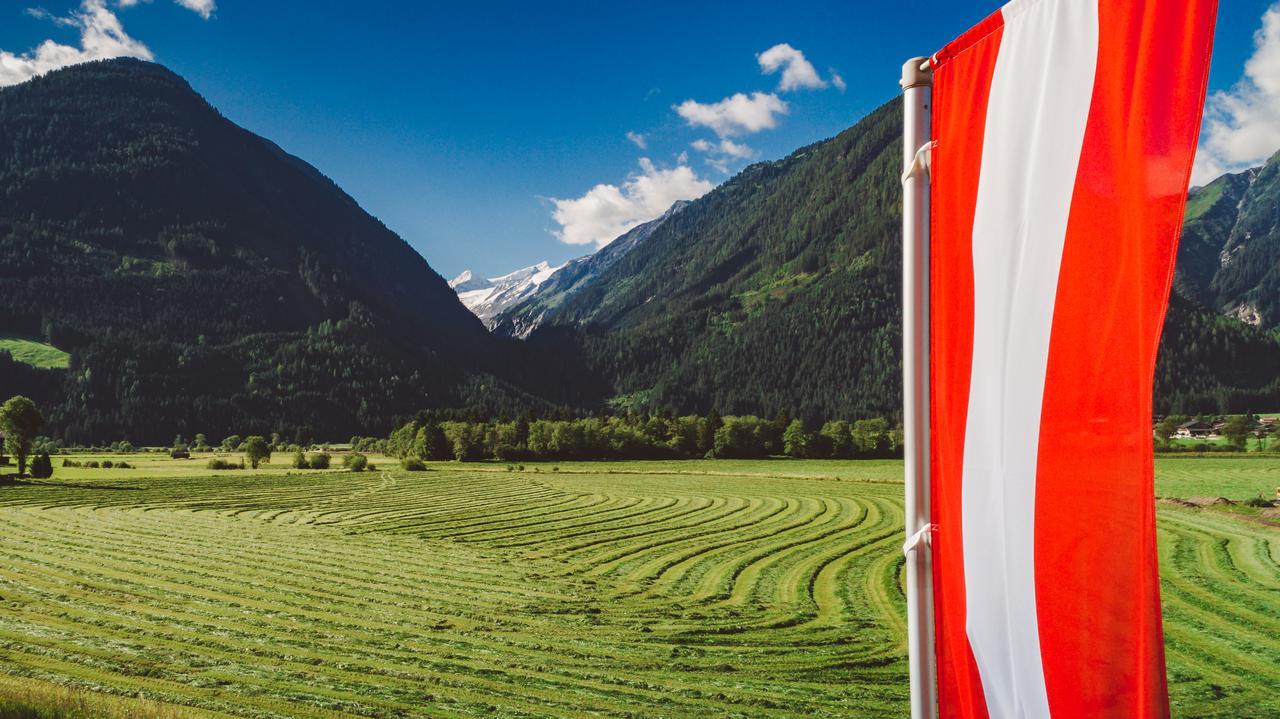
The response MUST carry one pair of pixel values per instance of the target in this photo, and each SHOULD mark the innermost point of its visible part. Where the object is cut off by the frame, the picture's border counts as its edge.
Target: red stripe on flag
(1098, 601)
(963, 82)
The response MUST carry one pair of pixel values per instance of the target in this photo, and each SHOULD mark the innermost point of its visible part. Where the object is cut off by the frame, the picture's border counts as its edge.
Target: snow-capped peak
(487, 298)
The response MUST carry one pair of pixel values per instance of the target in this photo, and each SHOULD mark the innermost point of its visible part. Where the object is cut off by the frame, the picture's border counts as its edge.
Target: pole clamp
(922, 536)
(920, 163)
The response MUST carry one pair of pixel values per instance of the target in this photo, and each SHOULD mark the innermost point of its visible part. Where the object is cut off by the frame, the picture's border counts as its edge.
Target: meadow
(620, 589)
(34, 352)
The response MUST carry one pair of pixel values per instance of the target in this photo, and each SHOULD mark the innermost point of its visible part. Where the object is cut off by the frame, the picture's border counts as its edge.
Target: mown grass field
(636, 589)
(34, 352)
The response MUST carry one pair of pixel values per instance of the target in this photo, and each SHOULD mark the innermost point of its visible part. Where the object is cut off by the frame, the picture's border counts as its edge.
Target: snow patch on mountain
(488, 297)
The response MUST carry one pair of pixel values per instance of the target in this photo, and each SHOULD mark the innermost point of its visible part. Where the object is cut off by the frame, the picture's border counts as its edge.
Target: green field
(628, 589)
(34, 352)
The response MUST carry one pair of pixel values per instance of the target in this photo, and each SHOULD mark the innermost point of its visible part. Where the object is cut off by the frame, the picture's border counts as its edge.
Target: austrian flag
(1064, 133)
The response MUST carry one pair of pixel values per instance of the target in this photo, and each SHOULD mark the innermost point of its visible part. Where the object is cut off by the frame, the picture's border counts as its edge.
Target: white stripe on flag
(1040, 95)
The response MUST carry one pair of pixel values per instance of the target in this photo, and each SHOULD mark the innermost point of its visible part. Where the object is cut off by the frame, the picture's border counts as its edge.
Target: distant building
(1195, 429)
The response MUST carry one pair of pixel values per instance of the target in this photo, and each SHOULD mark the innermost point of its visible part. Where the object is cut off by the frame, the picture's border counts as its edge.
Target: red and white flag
(1064, 136)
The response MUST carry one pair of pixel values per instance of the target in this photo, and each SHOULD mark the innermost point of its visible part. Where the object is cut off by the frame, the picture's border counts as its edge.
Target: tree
(299, 460)
(230, 444)
(41, 467)
(180, 444)
(740, 438)
(1238, 429)
(710, 426)
(897, 440)
(20, 421)
(256, 450)
(465, 439)
(45, 445)
(1167, 428)
(871, 437)
(795, 441)
(840, 437)
(430, 444)
(201, 443)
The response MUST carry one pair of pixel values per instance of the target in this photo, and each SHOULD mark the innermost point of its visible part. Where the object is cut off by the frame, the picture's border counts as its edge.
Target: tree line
(427, 438)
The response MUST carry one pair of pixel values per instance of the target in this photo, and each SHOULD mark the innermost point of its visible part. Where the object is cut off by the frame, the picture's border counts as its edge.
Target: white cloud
(837, 80)
(720, 154)
(736, 115)
(638, 139)
(204, 8)
(1242, 125)
(101, 37)
(797, 72)
(733, 149)
(607, 211)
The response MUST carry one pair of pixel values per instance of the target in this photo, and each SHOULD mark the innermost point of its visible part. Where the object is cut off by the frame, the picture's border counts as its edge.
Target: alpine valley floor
(626, 589)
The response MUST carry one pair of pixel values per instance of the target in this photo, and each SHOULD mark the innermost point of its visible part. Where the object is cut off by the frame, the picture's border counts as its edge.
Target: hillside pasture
(34, 352)
(621, 589)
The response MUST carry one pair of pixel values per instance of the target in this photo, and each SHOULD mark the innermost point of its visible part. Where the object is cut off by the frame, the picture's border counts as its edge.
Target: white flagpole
(917, 96)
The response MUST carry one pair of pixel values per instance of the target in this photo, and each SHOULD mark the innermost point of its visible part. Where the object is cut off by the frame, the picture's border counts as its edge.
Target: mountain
(1230, 254)
(204, 280)
(522, 317)
(775, 292)
(489, 298)
(1221, 347)
(778, 292)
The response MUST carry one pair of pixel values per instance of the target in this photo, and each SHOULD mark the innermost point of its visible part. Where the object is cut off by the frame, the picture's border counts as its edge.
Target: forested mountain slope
(205, 280)
(779, 292)
(1221, 348)
(522, 318)
(1230, 258)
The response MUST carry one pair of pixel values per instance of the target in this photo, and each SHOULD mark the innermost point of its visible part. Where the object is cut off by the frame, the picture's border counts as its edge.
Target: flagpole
(917, 94)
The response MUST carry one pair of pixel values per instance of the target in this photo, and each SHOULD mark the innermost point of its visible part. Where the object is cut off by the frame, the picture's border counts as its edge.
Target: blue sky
(461, 124)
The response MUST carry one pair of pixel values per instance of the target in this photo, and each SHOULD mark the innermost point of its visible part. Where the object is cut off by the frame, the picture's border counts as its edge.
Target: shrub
(224, 464)
(92, 464)
(1259, 502)
(70, 463)
(123, 465)
(413, 464)
(356, 462)
(41, 467)
(320, 460)
(299, 460)
(107, 464)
